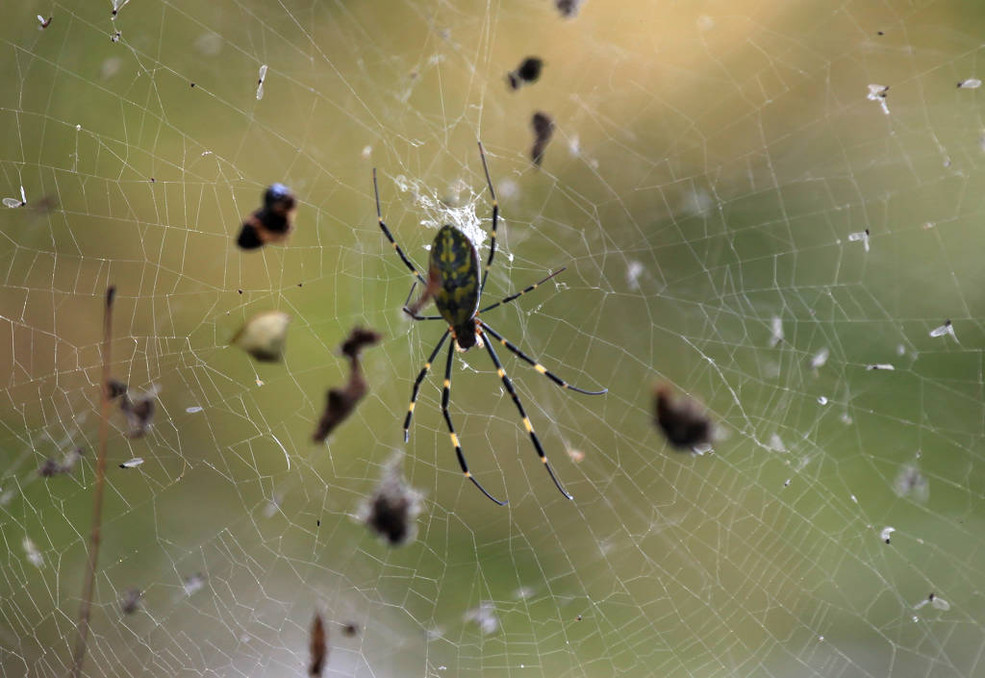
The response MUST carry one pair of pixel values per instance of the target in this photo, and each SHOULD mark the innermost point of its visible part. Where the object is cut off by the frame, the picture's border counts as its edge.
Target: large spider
(453, 282)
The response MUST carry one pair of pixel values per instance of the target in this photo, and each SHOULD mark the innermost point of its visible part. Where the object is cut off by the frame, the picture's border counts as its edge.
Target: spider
(453, 282)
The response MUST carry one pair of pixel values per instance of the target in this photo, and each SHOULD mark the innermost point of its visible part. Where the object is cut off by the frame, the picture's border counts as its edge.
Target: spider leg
(389, 236)
(495, 218)
(528, 288)
(445, 395)
(536, 365)
(417, 384)
(413, 314)
(523, 415)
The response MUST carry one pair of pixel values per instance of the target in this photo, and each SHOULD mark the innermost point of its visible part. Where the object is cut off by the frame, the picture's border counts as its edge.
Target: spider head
(278, 198)
(467, 335)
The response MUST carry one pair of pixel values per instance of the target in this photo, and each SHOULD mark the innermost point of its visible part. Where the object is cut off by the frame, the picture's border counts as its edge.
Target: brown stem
(97, 501)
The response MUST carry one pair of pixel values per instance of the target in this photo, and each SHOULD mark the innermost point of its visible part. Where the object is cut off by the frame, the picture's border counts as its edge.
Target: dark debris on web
(340, 402)
(391, 512)
(528, 72)
(318, 647)
(568, 8)
(130, 600)
(53, 467)
(543, 128)
(139, 411)
(682, 421)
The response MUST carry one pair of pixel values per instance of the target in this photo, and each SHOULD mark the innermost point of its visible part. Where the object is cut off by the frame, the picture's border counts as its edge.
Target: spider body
(454, 273)
(455, 285)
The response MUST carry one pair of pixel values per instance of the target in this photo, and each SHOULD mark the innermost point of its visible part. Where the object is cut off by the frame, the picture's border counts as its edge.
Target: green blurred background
(711, 160)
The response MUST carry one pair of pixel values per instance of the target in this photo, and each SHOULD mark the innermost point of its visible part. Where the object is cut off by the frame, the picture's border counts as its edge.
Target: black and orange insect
(273, 222)
(455, 284)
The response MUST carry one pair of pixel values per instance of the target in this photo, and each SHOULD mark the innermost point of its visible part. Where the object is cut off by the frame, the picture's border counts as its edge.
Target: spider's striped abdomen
(455, 264)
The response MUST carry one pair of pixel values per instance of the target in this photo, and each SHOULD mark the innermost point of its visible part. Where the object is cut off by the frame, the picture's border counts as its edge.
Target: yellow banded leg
(445, 397)
(389, 236)
(536, 365)
(523, 415)
(517, 295)
(417, 384)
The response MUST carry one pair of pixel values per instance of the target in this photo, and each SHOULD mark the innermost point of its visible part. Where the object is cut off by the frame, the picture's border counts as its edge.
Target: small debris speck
(910, 482)
(130, 601)
(33, 554)
(819, 358)
(943, 330)
(879, 93)
(776, 331)
(887, 534)
(860, 236)
(393, 509)
(194, 583)
(260, 79)
(484, 617)
(568, 8)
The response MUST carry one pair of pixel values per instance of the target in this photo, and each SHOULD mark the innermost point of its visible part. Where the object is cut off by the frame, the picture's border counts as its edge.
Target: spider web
(746, 213)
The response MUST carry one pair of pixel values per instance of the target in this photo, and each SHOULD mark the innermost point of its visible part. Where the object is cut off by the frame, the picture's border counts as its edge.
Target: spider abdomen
(455, 265)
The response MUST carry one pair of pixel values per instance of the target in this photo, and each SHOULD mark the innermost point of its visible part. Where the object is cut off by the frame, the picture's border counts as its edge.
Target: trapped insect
(454, 282)
(260, 78)
(14, 203)
(273, 222)
(682, 421)
(139, 411)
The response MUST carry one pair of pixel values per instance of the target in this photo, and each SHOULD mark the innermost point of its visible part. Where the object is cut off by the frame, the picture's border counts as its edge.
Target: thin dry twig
(85, 608)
